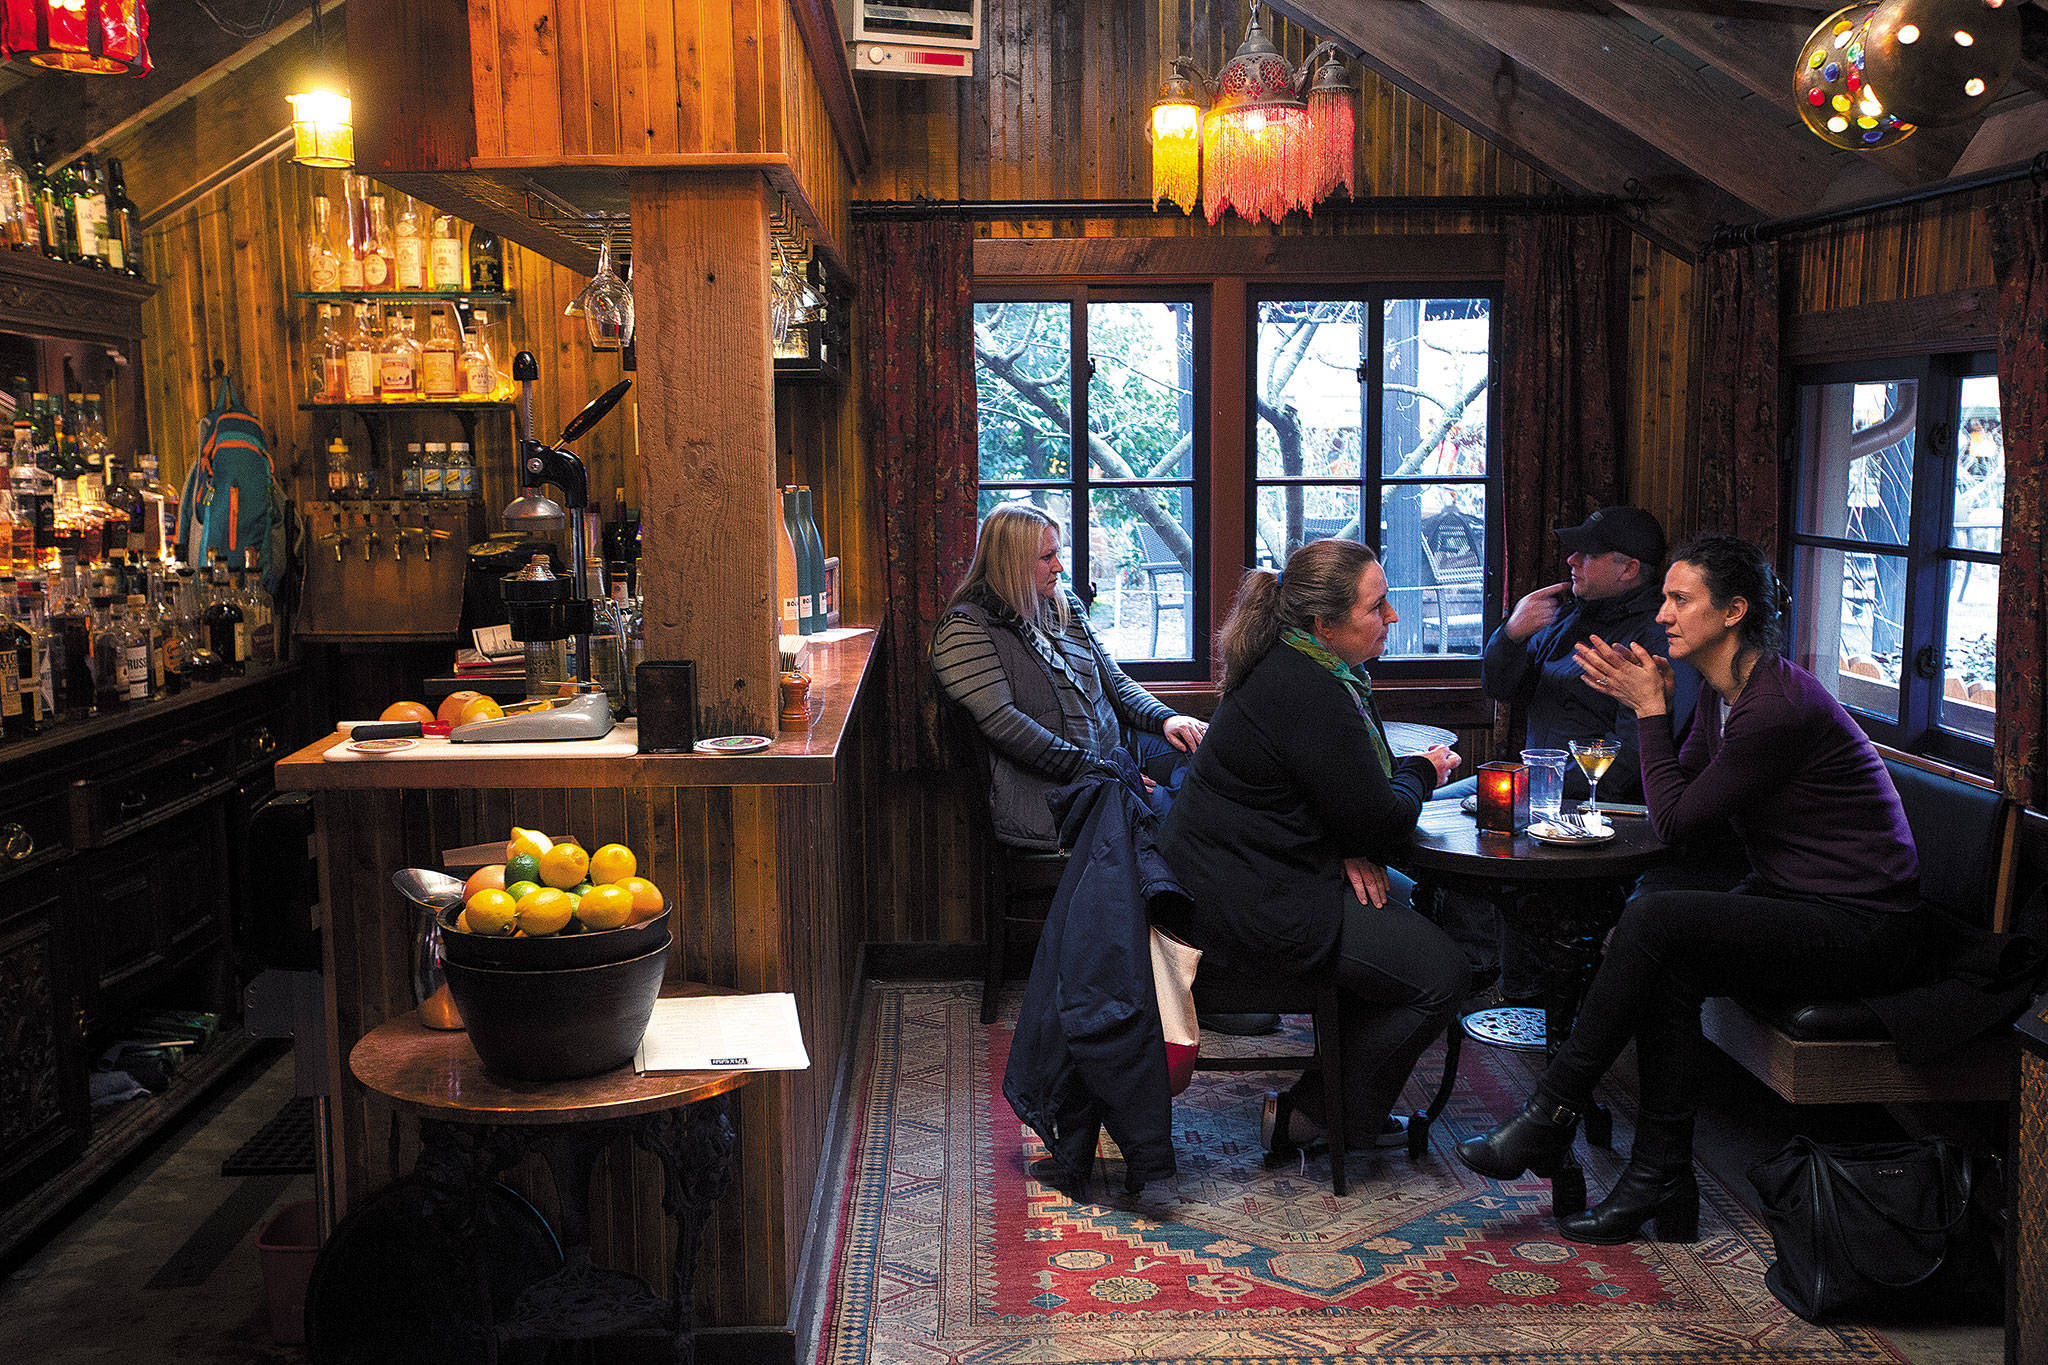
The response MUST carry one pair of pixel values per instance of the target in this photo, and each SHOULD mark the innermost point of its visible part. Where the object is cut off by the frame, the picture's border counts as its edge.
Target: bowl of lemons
(551, 905)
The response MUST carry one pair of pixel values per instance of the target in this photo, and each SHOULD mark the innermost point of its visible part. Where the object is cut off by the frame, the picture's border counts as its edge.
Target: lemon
(545, 911)
(612, 863)
(489, 912)
(528, 841)
(647, 901)
(605, 907)
(563, 865)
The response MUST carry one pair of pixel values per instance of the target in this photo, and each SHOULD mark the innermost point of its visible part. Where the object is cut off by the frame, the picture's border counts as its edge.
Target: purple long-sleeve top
(1805, 790)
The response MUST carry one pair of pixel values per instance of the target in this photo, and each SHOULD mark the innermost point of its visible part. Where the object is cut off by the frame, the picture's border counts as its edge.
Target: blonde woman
(1014, 649)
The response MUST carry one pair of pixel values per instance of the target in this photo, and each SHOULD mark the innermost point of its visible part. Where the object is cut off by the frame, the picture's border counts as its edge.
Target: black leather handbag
(1873, 1226)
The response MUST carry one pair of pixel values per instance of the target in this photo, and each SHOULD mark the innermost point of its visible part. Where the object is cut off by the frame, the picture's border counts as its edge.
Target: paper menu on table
(724, 1033)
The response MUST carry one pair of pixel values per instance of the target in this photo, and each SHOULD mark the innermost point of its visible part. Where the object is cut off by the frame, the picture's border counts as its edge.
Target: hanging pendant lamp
(100, 37)
(323, 126)
(1268, 144)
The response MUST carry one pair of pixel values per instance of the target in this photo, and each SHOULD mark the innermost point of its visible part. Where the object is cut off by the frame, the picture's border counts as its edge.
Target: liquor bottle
(330, 379)
(410, 477)
(88, 211)
(636, 645)
(479, 371)
(191, 634)
(789, 575)
(434, 470)
(17, 669)
(486, 261)
(446, 261)
(340, 468)
(458, 479)
(378, 262)
(92, 442)
(164, 618)
(24, 228)
(71, 626)
(439, 377)
(109, 684)
(410, 250)
(225, 625)
(53, 208)
(35, 616)
(156, 523)
(135, 649)
(355, 210)
(814, 546)
(124, 223)
(361, 356)
(257, 605)
(398, 375)
(123, 517)
(323, 263)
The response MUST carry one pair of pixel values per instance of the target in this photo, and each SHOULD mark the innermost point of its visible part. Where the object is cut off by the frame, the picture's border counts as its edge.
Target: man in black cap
(1616, 560)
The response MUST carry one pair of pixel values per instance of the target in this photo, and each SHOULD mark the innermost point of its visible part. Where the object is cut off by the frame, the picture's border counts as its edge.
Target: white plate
(732, 744)
(1543, 832)
(381, 746)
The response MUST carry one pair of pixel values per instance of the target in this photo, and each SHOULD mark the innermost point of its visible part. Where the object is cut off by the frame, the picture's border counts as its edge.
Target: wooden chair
(1222, 992)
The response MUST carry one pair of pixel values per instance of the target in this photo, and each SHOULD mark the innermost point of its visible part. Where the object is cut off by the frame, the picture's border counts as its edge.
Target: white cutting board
(622, 742)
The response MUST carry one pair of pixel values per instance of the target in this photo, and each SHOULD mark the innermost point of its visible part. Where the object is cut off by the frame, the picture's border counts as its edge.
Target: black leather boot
(1538, 1139)
(1647, 1191)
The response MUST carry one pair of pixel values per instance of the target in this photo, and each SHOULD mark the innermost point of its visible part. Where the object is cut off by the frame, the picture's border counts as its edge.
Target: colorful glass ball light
(1836, 95)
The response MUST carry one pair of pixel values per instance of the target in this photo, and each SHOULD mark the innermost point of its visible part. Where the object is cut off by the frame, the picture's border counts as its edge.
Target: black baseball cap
(1630, 530)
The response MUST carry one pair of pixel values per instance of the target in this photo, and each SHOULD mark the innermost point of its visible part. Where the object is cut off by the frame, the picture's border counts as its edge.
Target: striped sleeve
(970, 673)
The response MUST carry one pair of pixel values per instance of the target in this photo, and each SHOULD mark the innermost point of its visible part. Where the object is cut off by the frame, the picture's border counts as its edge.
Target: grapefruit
(408, 710)
(647, 901)
(452, 704)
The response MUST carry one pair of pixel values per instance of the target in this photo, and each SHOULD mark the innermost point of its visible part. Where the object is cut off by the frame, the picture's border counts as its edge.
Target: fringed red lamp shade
(103, 37)
(1266, 147)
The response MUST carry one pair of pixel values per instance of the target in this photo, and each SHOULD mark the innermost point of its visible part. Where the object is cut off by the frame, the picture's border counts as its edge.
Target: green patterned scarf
(1355, 682)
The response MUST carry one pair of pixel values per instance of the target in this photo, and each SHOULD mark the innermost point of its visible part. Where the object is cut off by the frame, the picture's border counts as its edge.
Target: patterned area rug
(953, 1252)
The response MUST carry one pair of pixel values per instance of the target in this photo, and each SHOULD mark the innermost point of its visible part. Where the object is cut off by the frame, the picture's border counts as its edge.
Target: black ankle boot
(1668, 1194)
(1538, 1139)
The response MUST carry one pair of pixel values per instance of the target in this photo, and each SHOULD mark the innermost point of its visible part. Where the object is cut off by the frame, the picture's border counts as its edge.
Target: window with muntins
(1122, 375)
(1896, 531)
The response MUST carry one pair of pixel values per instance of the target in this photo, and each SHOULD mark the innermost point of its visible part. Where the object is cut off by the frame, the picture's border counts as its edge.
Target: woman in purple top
(1830, 907)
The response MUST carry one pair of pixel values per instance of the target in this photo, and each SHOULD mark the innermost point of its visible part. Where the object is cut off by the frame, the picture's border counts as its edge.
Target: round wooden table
(472, 1126)
(1586, 885)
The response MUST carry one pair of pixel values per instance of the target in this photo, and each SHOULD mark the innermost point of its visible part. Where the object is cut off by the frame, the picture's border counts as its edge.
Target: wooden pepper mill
(796, 700)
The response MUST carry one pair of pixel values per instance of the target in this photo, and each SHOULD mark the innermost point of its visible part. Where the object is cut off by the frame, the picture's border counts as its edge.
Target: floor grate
(283, 1146)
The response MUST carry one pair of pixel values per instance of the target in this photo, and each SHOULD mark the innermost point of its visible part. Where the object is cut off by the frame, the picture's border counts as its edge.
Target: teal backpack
(231, 501)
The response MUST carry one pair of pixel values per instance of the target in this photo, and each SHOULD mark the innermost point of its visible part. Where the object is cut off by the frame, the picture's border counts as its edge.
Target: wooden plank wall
(816, 163)
(224, 266)
(561, 80)
(1929, 248)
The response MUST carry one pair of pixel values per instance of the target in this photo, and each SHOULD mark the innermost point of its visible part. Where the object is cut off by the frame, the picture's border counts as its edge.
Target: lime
(522, 867)
(518, 890)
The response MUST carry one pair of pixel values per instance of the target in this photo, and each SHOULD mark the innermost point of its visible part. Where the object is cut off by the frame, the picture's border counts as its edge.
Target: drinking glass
(606, 303)
(1546, 781)
(1595, 757)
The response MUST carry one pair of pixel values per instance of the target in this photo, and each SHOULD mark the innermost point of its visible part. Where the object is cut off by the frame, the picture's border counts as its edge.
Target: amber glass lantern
(101, 37)
(322, 133)
(1503, 798)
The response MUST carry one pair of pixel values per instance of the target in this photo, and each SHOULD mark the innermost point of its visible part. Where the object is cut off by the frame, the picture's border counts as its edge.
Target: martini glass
(1595, 757)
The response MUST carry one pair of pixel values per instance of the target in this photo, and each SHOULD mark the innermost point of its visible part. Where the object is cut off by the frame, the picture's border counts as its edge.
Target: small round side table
(472, 1126)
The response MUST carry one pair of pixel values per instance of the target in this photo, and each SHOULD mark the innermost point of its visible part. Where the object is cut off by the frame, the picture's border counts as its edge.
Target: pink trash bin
(288, 1246)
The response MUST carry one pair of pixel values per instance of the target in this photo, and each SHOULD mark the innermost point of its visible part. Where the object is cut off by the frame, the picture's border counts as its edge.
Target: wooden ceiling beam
(1523, 114)
(2006, 139)
(1746, 147)
(1761, 52)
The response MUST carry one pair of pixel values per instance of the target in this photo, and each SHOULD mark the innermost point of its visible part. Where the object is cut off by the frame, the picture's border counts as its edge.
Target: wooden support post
(707, 437)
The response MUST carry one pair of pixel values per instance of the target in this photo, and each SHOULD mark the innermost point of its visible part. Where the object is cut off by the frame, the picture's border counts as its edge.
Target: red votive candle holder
(1503, 798)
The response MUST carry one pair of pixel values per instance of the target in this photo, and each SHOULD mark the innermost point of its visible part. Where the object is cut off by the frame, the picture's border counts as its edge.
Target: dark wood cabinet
(43, 1113)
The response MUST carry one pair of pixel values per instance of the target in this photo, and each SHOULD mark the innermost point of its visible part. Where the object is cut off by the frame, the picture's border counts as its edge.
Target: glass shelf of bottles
(475, 300)
(405, 404)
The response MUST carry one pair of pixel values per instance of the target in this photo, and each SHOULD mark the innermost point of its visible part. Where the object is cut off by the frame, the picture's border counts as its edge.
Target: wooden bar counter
(761, 855)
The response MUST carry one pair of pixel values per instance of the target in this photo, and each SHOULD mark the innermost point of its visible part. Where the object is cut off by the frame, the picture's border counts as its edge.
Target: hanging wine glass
(608, 303)
(779, 306)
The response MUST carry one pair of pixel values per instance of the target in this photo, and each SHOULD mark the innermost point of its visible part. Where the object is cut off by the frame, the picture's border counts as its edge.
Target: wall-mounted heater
(934, 38)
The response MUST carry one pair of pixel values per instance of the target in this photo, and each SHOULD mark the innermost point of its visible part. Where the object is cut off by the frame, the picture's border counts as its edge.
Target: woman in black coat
(1289, 813)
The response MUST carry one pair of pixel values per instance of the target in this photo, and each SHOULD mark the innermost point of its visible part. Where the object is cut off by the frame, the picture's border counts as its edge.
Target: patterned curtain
(1561, 373)
(916, 338)
(2019, 258)
(1740, 418)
